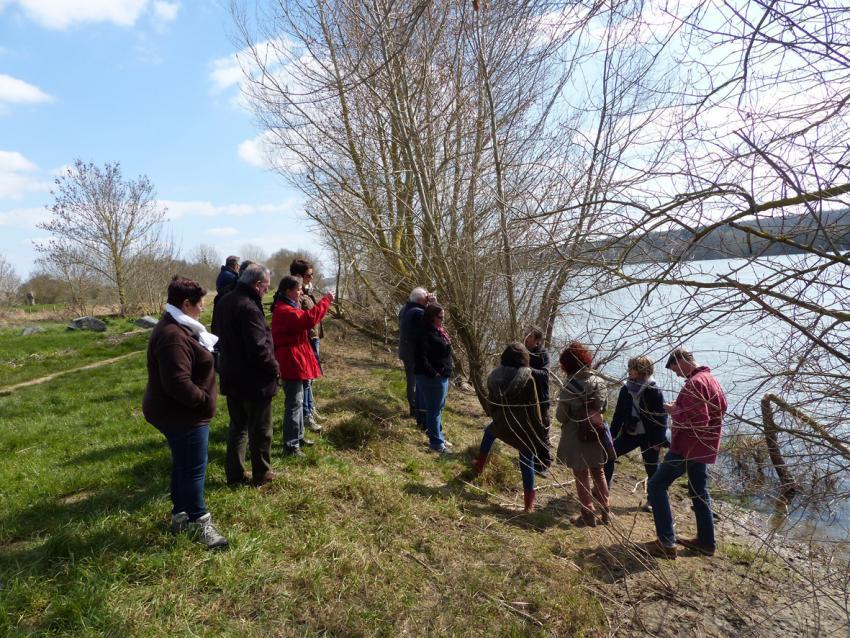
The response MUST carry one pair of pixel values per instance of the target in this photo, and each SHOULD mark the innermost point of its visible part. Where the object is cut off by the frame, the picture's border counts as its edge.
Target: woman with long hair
(433, 368)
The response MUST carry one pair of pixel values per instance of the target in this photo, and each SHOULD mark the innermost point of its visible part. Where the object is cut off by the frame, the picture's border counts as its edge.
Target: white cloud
(27, 218)
(164, 12)
(15, 91)
(61, 14)
(256, 151)
(223, 232)
(179, 209)
(17, 176)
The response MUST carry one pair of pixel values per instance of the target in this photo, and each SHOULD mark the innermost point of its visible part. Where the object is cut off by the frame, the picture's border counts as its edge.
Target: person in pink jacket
(290, 327)
(697, 416)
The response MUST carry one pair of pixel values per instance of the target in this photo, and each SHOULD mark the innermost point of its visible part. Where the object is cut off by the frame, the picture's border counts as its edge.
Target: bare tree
(101, 223)
(9, 281)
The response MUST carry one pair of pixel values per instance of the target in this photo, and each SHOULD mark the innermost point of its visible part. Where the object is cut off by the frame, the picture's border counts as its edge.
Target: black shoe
(306, 442)
(290, 450)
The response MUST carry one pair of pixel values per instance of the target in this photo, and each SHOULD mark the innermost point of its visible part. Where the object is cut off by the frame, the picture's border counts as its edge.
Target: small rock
(31, 330)
(88, 323)
(145, 322)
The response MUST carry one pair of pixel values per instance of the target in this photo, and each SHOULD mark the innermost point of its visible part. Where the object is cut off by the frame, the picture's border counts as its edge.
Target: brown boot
(587, 518)
(697, 545)
(658, 550)
(528, 499)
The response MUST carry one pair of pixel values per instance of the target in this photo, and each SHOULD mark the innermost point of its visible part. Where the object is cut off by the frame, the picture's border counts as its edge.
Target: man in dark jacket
(409, 320)
(539, 361)
(228, 275)
(249, 376)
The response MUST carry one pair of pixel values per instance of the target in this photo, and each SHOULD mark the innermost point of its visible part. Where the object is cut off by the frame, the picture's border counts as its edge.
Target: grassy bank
(369, 535)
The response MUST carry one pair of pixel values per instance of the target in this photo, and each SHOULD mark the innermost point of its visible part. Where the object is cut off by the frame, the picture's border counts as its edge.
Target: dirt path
(9, 389)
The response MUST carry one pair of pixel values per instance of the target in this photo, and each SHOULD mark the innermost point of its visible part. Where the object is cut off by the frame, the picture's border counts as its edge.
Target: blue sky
(152, 84)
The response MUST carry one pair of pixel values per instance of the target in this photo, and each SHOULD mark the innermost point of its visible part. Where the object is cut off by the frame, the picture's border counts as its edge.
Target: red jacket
(292, 349)
(698, 417)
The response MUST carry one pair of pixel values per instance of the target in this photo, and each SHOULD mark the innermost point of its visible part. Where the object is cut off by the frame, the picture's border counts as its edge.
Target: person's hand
(329, 295)
(668, 407)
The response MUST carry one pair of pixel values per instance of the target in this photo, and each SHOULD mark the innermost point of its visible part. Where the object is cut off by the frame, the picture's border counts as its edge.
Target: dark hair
(677, 355)
(245, 264)
(535, 332)
(516, 355)
(430, 312)
(288, 282)
(231, 261)
(180, 289)
(575, 357)
(299, 267)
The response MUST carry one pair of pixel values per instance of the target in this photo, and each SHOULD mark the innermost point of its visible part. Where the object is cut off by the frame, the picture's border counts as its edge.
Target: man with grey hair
(249, 374)
(409, 319)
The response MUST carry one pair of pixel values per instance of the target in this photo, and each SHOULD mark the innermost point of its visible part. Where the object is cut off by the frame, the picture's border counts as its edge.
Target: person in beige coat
(582, 399)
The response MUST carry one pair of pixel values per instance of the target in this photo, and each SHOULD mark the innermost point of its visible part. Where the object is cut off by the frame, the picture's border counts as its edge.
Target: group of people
(252, 359)
(518, 400)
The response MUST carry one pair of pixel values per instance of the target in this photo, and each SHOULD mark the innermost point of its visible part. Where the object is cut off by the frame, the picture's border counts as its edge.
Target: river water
(747, 352)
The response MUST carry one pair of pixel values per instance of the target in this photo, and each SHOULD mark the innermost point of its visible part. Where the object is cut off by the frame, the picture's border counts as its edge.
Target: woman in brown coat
(517, 419)
(582, 400)
(180, 402)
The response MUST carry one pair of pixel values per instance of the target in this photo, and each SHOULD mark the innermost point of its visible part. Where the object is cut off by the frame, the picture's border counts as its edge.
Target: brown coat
(572, 409)
(181, 391)
(515, 409)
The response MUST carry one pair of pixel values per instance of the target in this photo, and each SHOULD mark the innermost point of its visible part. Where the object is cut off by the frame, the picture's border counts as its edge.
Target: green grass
(369, 535)
(23, 358)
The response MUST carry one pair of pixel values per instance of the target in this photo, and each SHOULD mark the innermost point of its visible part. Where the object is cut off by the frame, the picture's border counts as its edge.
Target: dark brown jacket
(515, 409)
(246, 355)
(181, 390)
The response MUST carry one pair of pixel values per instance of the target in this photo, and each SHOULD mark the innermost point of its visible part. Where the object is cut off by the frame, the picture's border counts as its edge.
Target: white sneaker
(204, 532)
(448, 444)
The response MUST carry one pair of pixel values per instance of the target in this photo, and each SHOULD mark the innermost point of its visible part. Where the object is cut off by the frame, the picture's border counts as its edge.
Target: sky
(154, 85)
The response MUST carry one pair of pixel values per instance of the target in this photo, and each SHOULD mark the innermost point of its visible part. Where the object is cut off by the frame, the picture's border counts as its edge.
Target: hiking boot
(204, 532)
(528, 500)
(306, 443)
(697, 545)
(316, 416)
(292, 450)
(179, 522)
(657, 549)
(310, 424)
(586, 519)
(269, 477)
(448, 443)
(605, 517)
(439, 450)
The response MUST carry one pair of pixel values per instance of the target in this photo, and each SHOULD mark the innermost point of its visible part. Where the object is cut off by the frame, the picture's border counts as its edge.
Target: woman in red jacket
(295, 357)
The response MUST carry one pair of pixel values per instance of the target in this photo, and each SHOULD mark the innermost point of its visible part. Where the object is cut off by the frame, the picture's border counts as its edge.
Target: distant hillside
(724, 243)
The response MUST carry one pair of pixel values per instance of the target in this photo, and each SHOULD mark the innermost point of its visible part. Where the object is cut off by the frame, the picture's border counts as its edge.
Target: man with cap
(697, 417)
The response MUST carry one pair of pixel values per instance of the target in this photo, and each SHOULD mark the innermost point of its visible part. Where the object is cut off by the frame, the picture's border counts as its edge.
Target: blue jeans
(293, 413)
(526, 461)
(308, 385)
(674, 466)
(188, 469)
(432, 392)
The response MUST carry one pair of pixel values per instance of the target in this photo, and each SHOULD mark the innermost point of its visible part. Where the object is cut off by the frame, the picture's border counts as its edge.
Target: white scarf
(207, 339)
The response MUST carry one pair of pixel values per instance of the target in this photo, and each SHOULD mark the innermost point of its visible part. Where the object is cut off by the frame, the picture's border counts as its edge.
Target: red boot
(479, 462)
(529, 500)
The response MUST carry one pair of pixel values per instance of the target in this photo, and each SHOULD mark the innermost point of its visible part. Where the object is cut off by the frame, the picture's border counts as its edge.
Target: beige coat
(571, 409)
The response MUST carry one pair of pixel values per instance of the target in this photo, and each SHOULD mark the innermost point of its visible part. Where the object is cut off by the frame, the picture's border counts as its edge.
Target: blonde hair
(642, 365)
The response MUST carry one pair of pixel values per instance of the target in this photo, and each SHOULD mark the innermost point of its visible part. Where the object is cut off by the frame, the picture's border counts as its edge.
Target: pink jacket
(698, 417)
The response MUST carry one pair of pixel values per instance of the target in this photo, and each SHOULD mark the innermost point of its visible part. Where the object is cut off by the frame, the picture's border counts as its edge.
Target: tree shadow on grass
(612, 563)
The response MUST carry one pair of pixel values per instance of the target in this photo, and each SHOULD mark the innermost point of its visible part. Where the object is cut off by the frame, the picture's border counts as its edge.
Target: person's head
(533, 337)
(232, 263)
(681, 362)
(187, 295)
(515, 355)
(289, 288)
(302, 268)
(576, 356)
(640, 368)
(434, 315)
(257, 276)
(419, 295)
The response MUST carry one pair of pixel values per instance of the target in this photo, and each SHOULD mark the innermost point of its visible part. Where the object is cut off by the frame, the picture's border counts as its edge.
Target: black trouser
(251, 427)
(625, 443)
(410, 378)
